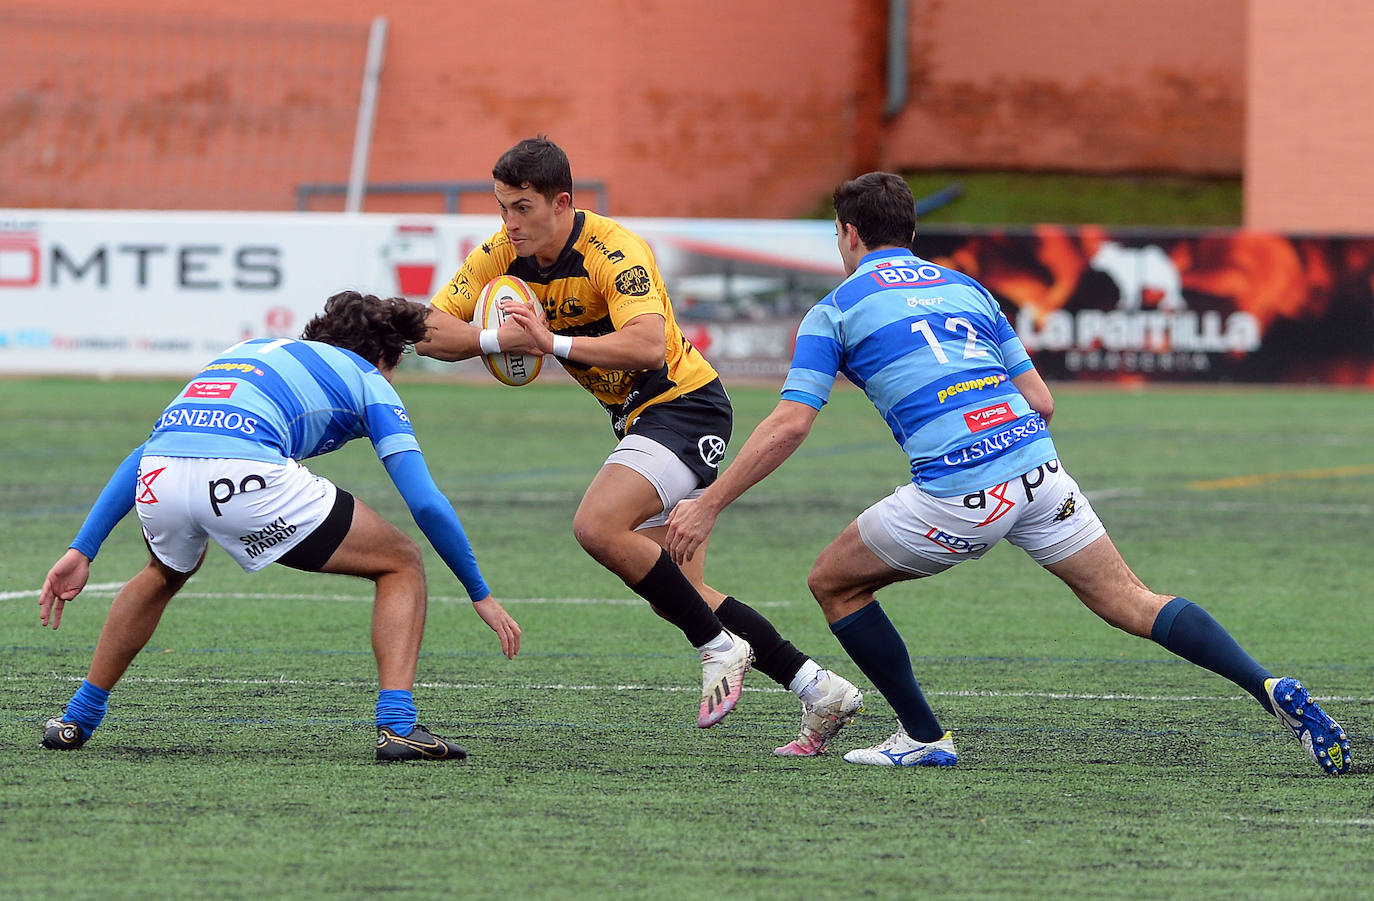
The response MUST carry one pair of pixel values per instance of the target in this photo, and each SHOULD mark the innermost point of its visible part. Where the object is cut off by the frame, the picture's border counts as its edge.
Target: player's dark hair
(880, 206)
(378, 330)
(536, 163)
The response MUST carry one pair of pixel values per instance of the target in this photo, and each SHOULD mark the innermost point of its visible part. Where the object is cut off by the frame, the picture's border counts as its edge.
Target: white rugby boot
(722, 679)
(823, 720)
(903, 750)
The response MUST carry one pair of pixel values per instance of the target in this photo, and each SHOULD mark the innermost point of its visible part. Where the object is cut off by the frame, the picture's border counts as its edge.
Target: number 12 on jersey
(954, 324)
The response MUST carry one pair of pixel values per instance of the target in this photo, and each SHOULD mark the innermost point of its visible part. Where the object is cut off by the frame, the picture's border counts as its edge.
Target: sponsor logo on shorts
(712, 450)
(634, 281)
(989, 417)
(1036, 477)
(1066, 509)
(979, 501)
(210, 389)
(145, 486)
(222, 490)
(989, 381)
(274, 533)
(954, 544)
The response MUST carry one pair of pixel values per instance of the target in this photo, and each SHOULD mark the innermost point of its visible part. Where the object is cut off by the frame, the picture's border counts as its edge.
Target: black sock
(774, 656)
(1190, 632)
(873, 642)
(668, 589)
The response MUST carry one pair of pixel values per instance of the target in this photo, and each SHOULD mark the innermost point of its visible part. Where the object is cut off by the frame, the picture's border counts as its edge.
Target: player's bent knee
(409, 556)
(822, 586)
(593, 536)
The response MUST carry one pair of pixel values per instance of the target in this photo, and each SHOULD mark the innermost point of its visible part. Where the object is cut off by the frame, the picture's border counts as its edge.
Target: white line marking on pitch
(110, 588)
(100, 588)
(561, 686)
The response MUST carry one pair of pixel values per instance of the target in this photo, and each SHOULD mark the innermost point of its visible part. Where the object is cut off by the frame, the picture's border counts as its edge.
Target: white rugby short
(1043, 512)
(255, 511)
(673, 479)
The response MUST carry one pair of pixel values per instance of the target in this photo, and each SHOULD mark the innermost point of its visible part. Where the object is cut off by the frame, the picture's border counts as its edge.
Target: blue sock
(1190, 632)
(87, 707)
(873, 643)
(396, 711)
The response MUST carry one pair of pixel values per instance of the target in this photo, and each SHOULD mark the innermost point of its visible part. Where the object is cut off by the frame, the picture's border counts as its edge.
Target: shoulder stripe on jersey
(344, 410)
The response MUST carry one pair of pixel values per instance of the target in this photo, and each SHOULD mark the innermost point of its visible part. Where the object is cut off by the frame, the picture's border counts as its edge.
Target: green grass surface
(236, 759)
(1022, 198)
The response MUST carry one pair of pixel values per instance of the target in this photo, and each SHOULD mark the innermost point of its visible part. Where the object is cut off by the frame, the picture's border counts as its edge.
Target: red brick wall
(1310, 141)
(719, 108)
(1078, 85)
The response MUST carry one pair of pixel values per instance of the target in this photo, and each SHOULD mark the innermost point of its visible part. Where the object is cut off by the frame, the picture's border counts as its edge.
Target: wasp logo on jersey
(634, 281)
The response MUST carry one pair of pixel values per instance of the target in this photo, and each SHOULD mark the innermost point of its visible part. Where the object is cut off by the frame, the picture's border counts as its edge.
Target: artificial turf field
(236, 760)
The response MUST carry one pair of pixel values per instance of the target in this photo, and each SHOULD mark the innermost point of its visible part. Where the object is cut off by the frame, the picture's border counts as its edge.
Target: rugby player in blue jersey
(222, 464)
(938, 359)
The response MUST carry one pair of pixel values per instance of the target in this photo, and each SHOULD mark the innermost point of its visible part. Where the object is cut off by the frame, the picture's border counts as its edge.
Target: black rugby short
(696, 427)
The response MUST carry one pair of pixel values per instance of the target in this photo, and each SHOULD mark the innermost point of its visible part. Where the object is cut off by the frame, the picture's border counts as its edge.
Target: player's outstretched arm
(449, 338)
(772, 441)
(437, 519)
(65, 580)
(70, 574)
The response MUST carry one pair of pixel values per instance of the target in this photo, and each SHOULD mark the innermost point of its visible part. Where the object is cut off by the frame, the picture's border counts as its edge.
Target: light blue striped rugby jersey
(935, 354)
(271, 399)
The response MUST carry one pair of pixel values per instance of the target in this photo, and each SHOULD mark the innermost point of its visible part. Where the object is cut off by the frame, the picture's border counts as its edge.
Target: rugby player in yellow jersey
(607, 318)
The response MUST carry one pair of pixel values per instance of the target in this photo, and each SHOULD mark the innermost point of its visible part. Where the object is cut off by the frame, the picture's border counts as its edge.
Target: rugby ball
(509, 368)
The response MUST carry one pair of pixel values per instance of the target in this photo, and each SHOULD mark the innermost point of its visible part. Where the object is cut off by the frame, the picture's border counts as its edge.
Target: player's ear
(562, 202)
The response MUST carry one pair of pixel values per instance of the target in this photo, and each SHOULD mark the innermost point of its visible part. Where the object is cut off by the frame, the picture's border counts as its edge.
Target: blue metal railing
(449, 190)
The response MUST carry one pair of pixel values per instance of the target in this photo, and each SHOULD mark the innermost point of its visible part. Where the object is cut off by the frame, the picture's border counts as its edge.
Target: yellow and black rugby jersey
(604, 277)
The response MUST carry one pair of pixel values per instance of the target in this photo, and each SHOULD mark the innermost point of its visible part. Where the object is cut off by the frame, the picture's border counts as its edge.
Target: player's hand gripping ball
(509, 368)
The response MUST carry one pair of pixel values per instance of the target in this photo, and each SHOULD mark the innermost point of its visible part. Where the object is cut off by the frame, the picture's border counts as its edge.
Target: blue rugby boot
(1320, 736)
